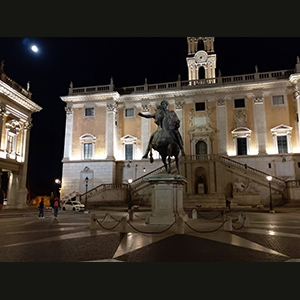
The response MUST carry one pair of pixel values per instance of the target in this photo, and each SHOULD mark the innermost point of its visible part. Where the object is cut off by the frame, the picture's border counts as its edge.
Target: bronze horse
(163, 139)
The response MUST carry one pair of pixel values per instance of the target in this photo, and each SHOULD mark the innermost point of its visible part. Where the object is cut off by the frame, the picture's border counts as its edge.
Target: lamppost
(58, 181)
(129, 200)
(269, 178)
(86, 188)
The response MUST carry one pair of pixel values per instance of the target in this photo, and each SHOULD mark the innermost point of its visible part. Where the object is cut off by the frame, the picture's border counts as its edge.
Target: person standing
(56, 206)
(41, 207)
(1, 198)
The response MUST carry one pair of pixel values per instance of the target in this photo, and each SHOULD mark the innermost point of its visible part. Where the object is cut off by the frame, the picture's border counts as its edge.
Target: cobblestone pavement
(255, 236)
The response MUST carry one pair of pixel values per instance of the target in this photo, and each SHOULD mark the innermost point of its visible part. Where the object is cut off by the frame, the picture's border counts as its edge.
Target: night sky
(89, 61)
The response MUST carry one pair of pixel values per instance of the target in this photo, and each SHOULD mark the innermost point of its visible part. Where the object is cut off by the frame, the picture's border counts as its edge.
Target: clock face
(201, 57)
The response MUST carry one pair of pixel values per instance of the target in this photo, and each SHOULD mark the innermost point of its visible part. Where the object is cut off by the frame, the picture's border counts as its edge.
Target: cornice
(91, 97)
(18, 98)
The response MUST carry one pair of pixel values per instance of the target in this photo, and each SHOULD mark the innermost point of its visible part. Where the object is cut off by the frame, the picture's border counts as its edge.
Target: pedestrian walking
(56, 206)
(228, 202)
(41, 208)
(1, 198)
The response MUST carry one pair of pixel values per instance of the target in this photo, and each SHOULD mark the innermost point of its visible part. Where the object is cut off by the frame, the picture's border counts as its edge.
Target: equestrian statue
(166, 139)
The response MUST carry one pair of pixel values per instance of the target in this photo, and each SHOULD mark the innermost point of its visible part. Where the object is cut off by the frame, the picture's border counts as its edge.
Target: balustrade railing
(185, 84)
(15, 85)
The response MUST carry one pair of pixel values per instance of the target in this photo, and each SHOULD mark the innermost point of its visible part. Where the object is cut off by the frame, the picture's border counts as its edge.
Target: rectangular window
(129, 112)
(10, 141)
(239, 103)
(282, 144)
(128, 151)
(200, 106)
(241, 146)
(88, 150)
(278, 100)
(89, 112)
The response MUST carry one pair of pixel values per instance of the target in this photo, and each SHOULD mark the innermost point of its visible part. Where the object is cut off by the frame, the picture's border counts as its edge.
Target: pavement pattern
(265, 237)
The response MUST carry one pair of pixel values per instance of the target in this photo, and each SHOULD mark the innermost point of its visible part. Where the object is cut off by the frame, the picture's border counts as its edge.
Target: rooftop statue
(166, 139)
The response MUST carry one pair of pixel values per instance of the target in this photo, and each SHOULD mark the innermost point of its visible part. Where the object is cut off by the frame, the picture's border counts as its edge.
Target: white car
(73, 205)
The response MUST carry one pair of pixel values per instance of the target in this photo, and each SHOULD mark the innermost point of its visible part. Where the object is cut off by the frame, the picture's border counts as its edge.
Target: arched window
(87, 146)
(201, 148)
(241, 139)
(13, 128)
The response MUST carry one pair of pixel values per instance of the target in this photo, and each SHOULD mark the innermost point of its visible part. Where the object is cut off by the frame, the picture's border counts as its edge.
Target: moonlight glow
(34, 48)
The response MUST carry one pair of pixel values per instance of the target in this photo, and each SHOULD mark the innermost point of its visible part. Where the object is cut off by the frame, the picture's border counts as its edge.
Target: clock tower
(201, 55)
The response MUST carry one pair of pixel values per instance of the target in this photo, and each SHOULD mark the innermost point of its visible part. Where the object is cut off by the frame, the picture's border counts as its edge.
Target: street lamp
(269, 178)
(129, 200)
(86, 188)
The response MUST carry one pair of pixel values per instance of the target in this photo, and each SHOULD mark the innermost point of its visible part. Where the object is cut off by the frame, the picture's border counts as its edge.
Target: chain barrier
(221, 213)
(237, 228)
(205, 231)
(108, 228)
(151, 232)
(169, 227)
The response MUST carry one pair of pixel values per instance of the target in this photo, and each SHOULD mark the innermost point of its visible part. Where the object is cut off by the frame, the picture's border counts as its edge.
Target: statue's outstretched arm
(146, 116)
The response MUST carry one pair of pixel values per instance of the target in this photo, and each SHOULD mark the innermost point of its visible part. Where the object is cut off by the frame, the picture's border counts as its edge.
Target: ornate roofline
(18, 98)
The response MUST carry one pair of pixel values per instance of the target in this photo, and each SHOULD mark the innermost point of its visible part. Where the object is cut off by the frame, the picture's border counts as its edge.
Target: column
(145, 128)
(111, 124)
(2, 114)
(68, 133)
(260, 123)
(222, 126)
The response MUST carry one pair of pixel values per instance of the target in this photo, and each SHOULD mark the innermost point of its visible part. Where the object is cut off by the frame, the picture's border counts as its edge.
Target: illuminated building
(236, 130)
(16, 108)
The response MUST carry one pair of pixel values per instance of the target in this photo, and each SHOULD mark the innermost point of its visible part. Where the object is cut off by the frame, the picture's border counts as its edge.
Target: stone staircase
(141, 193)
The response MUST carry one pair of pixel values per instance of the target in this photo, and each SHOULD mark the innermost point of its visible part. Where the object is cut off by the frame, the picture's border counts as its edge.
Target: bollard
(228, 224)
(246, 221)
(130, 215)
(123, 225)
(194, 214)
(241, 218)
(179, 224)
(108, 217)
(94, 224)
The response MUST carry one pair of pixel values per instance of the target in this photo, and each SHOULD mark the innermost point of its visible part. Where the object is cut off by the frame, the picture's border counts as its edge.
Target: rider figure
(169, 121)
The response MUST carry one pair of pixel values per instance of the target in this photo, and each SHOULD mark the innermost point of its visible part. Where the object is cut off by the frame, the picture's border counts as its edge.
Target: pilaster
(222, 126)
(68, 133)
(111, 129)
(145, 128)
(260, 123)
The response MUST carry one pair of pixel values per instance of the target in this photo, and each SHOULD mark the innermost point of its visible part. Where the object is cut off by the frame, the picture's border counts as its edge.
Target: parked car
(73, 205)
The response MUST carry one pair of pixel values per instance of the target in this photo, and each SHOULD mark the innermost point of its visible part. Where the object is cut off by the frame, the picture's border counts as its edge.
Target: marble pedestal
(166, 198)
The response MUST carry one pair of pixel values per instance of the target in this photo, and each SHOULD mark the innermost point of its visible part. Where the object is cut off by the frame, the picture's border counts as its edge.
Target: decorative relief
(221, 102)
(258, 99)
(145, 108)
(240, 118)
(69, 110)
(112, 107)
(27, 125)
(296, 92)
(178, 104)
(2, 111)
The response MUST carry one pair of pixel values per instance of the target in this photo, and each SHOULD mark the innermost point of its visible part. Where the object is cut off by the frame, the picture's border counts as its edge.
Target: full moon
(34, 48)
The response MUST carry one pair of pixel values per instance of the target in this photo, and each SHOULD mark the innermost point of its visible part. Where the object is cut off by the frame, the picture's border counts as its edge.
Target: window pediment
(128, 139)
(281, 130)
(241, 131)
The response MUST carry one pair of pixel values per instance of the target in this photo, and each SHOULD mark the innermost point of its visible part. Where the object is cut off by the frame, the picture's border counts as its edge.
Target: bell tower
(201, 54)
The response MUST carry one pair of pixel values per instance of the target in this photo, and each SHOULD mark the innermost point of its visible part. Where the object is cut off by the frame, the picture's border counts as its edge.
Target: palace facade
(237, 130)
(16, 109)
